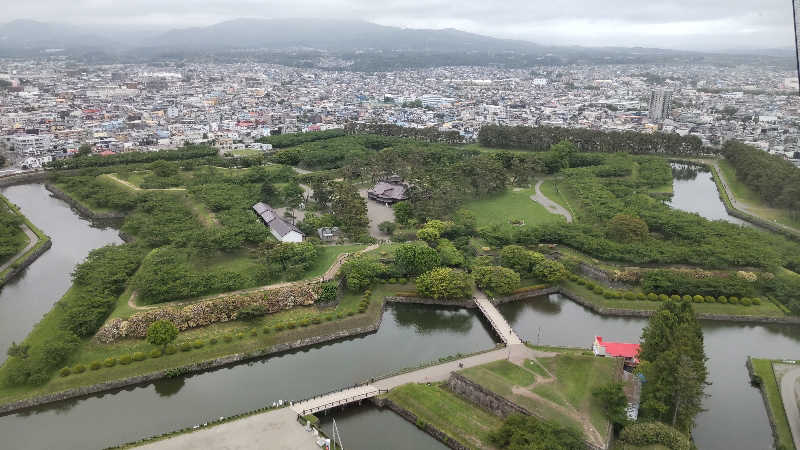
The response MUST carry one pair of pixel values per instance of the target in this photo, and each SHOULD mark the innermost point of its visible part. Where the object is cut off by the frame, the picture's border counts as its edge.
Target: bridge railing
(488, 317)
(343, 401)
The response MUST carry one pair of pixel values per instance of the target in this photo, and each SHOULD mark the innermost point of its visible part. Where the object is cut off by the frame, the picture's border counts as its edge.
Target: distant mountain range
(340, 37)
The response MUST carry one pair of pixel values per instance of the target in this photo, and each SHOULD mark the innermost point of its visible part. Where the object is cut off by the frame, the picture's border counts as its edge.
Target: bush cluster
(653, 296)
(654, 433)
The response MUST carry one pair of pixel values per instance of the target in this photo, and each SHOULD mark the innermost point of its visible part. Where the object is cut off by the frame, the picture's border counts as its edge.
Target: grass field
(766, 308)
(247, 152)
(16, 237)
(458, 418)
(753, 202)
(763, 368)
(253, 339)
(511, 205)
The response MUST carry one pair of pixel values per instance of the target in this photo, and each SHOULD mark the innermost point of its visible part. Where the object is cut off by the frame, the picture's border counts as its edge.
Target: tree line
(542, 138)
(188, 152)
(774, 179)
(430, 134)
(292, 139)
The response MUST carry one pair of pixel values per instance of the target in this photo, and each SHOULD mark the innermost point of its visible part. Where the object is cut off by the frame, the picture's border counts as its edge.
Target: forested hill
(774, 179)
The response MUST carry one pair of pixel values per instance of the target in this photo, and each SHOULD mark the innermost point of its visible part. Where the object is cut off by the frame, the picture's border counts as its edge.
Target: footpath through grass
(763, 368)
(458, 418)
(246, 338)
(513, 205)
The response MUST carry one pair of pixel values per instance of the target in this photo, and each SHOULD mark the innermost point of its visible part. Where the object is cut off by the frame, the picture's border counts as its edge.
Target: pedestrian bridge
(498, 322)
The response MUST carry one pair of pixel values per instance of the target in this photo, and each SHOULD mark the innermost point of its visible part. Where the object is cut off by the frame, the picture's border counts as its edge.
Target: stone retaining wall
(83, 210)
(770, 415)
(188, 369)
(29, 177)
(431, 301)
(428, 428)
(27, 261)
(526, 295)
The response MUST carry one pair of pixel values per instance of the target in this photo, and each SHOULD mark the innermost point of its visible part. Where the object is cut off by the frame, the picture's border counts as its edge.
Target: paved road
(278, 429)
(32, 240)
(790, 394)
(550, 205)
(499, 323)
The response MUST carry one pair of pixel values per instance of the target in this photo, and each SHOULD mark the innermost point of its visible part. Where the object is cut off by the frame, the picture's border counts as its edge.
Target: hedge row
(653, 297)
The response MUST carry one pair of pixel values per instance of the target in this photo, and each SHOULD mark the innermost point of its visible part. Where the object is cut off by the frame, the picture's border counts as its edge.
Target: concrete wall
(426, 427)
(21, 265)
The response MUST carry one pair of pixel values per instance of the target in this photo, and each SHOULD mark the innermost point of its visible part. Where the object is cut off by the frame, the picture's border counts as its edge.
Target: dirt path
(32, 240)
(550, 205)
(137, 188)
(327, 276)
(591, 433)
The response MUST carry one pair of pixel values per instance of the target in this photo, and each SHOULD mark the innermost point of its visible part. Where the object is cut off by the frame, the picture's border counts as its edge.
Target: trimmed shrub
(95, 365)
(79, 368)
(290, 325)
(617, 294)
(641, 296)
(110, 362)
(65, 372)
(155, 353)
(329, 317)
(139, 356)
(698, 299)
(185, 347)
(710, 299)
(756, 301)
(305, 322)
(213, 341)
(652, 297)
(675, 297)
(279, 327)
(608, 293)
(687, 298)
(171, 349)
(629, 295)
(316, 320)
(663, 297)
(746, 301)
(253, 333)
(733, 300)
(722, 299)
(125, 359)
(339, 315)
(227, 338)
(240, 335)
(653, 433)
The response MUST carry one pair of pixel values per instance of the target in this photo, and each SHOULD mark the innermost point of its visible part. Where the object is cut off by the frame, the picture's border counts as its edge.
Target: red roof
(107, 153)
(619, 348)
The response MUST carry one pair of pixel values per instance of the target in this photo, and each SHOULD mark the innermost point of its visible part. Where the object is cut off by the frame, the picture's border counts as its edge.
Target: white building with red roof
(628, 352)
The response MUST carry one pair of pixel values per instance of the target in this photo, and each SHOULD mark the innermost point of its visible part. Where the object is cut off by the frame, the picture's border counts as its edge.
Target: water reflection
(368, 428)
(682, 171)
(698, 194)
(169, 386)
(427, 319)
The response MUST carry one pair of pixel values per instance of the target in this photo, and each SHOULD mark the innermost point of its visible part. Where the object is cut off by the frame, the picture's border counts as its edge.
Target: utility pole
(795, 7)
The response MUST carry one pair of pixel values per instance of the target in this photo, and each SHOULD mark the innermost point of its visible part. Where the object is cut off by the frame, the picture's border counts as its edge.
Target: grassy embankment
(754, 204)
(456, 417)
(17, 239)
(565, 400)
(247, 337)
(511, 205)
(763, 368)
(42, 238)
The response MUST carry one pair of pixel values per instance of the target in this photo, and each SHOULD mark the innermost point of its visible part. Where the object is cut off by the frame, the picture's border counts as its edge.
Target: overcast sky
(684, 24)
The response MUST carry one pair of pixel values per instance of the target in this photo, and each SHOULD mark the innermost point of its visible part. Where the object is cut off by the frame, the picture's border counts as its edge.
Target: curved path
(32, 240)
(137, 188)
(790, 394)
(550, 205)
(327, 276)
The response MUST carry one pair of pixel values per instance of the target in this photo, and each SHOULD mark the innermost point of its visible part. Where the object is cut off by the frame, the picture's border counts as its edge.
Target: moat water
(409, 335)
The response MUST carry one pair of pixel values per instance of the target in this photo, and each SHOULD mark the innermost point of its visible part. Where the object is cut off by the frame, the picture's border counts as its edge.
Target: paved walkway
(437, 373)
(790, 394)
(550, 205)
(32, 240)
(501, 327)
(278, 429)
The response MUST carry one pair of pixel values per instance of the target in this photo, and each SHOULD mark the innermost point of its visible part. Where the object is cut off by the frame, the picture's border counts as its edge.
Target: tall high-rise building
(660, 104)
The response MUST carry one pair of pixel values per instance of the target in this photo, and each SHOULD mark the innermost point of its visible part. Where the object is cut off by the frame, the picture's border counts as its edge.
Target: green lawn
(458, 418)
(23, 240)
(327, 255)
(14, 236)
(763, 368)
(548, 188)
(248, 343)
(536, 368)
(247, 152)
(753, 202)
(576, 377)
(766, 308)
(511, 205)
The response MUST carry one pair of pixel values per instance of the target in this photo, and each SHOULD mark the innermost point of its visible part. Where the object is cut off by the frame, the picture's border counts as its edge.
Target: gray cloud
(686, 24)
